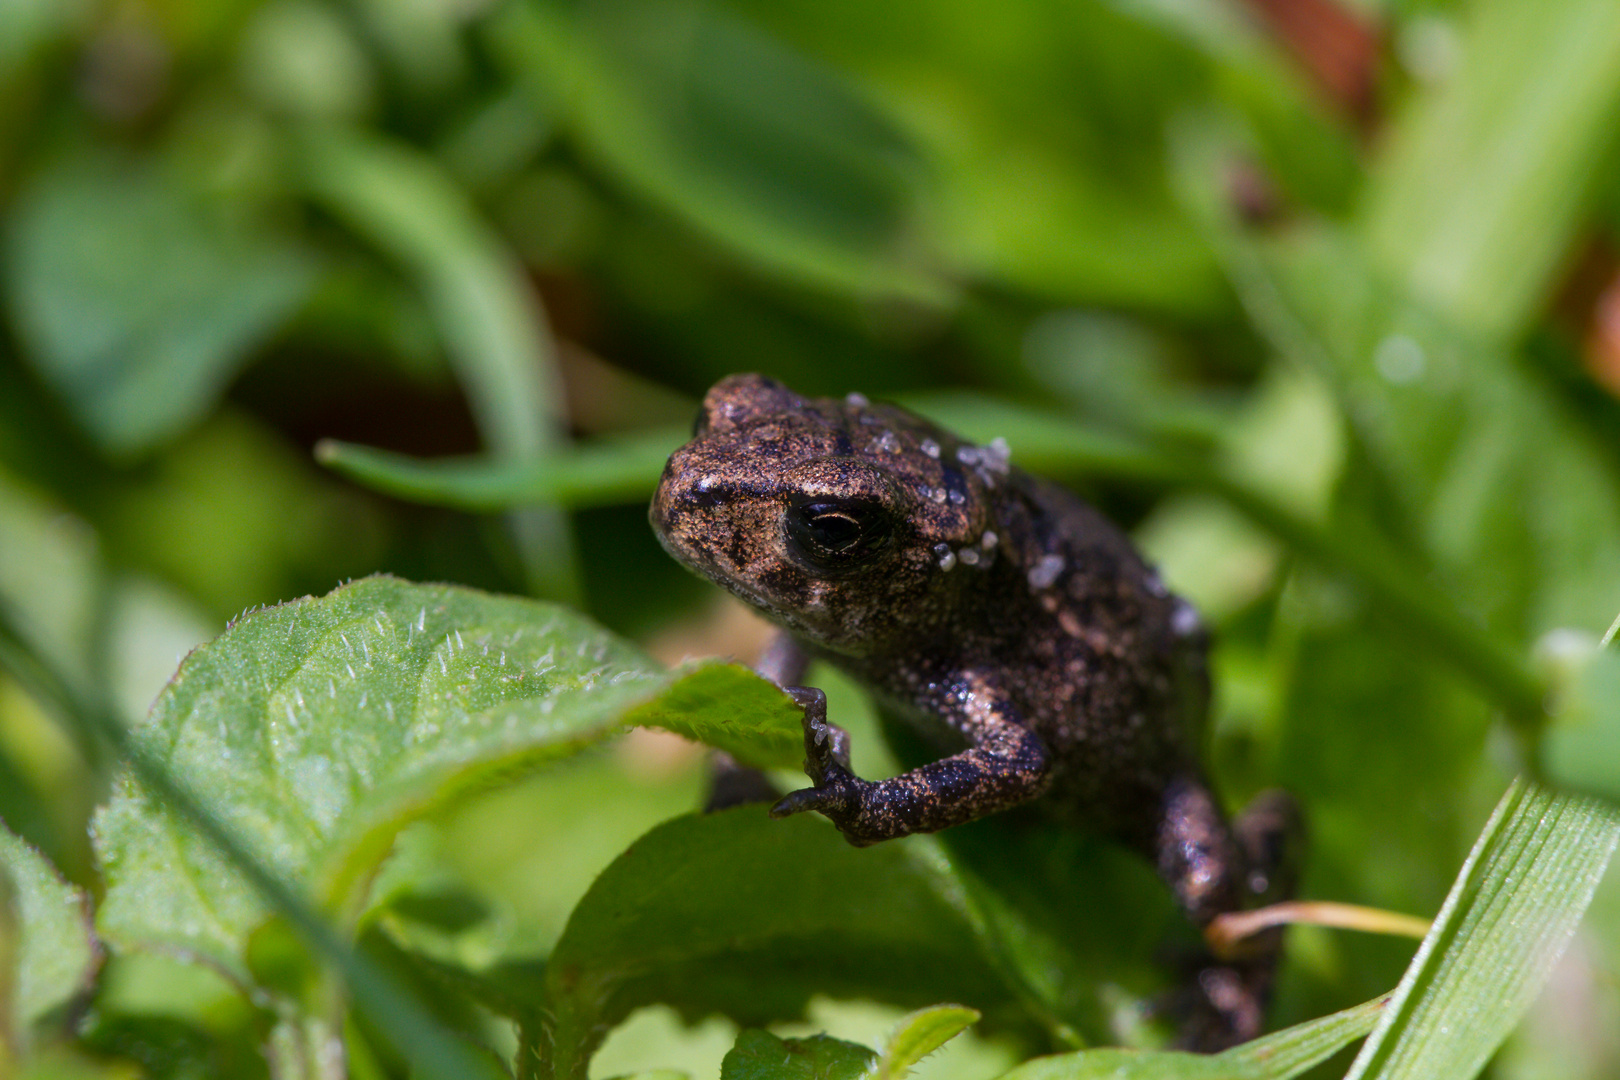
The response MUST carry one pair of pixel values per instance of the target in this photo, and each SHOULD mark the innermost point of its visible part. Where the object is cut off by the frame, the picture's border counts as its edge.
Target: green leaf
(47, 952)
(738, 135)
(1509, 917)
(626, 469)
(1290, 1052)
(920, 1034)
(490, 320)
(759, 1055)
(140, 345)
(1275, 1057)
(319, 728)
(1044, 143)
(731, 708)
(743, 914)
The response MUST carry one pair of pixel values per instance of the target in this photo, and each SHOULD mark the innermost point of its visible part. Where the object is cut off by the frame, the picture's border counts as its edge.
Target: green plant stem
(416, 1035)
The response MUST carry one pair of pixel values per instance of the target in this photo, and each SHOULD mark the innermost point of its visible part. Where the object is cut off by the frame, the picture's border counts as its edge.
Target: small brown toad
(980, 604)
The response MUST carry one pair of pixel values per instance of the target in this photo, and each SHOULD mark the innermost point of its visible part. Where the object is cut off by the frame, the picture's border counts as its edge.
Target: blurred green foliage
(1347, 361)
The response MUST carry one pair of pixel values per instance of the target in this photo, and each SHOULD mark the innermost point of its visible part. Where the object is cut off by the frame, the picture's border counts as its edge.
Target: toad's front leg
(1007, 764)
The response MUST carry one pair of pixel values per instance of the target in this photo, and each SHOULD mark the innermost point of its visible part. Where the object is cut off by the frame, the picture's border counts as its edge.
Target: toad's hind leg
(1214, 868)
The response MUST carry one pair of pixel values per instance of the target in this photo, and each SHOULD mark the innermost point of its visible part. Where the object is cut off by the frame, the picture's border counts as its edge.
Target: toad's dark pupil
(838, 534)
(833, 531)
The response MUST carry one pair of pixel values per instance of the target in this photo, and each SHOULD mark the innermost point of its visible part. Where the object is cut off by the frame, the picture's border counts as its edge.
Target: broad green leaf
(759, 1055)
(1481, 184)
(710, 119)
(1510, 915)
(920, 1034)
(137, 302)
(489, 318)
(743, 914)
(1277, 1056)
(317, 729)
(47, 952)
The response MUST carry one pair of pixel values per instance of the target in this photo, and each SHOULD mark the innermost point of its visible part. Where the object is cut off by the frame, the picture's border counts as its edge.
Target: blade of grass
(604, 472)
(1511, 913)
(1608, 636)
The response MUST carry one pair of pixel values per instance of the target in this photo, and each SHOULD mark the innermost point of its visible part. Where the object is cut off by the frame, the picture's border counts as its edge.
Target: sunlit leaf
(1507, 494)
(1044, 142)
(316, 730)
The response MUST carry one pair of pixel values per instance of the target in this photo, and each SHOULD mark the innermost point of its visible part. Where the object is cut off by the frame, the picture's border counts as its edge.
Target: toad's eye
(838, 534)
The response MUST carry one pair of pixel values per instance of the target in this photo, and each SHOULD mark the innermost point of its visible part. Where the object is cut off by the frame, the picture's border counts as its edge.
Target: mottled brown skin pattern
(983, 605)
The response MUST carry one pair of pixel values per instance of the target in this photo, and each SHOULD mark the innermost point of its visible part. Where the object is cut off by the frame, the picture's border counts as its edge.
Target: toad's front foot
(837, 791)
(1007, 765)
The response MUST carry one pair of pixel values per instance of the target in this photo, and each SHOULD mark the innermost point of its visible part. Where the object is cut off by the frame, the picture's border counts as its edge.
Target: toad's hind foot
(1223, 1001)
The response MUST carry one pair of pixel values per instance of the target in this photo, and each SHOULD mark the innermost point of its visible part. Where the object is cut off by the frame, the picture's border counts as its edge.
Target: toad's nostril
(700, 422)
